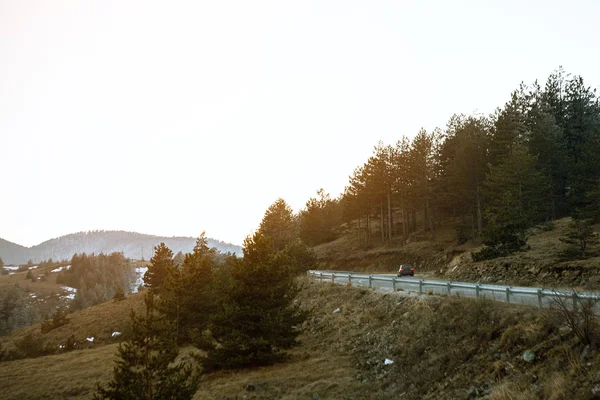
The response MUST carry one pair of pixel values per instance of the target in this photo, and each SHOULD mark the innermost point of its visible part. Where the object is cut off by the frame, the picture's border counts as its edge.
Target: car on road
(406, 270)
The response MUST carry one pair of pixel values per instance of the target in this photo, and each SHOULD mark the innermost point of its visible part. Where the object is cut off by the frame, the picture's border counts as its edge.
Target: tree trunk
(381, 226)
(389, 199)
(368, 231)
(479, 222)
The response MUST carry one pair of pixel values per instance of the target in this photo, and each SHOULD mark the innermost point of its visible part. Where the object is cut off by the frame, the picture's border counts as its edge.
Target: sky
(174, 117)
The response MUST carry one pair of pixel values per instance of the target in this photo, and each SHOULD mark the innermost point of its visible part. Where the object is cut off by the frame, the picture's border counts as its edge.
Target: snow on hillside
(60, 268)
(139, 271)
(71, 291)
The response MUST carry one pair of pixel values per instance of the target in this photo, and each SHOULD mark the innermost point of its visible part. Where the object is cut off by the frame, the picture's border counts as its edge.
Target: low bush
(59, 319)
(30, 347)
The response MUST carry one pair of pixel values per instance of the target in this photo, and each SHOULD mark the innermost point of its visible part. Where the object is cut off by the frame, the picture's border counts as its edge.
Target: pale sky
(175, 117)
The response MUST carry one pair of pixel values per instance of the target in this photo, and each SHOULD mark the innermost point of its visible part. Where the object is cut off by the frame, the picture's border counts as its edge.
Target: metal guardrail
(539, 297)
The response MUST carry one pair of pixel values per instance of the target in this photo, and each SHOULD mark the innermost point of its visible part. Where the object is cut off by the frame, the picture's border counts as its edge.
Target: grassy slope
(39, 288)
(441, 347)
(98, 322)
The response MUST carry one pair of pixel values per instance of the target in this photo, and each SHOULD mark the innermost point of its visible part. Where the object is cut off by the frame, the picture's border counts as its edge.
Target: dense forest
(533, 160)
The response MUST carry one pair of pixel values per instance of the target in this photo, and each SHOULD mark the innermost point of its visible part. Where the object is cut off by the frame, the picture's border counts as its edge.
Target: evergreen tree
(195, 287)
(145, 367)
(256, 318)
(319, 219)
(1, 263)
(515, 191)
(158, 268)
(464, 159)
(581, 237)
(279, 224)
(179, 259)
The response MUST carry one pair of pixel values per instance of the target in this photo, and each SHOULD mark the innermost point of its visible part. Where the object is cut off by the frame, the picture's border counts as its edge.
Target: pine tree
(319, 219)
(195, 286)
(279, 224)
(170, 302)
(581, 236)
(515, 191)
(179, 259)
(1, 263)
(257, 318)
(158, 268)
(145, 367)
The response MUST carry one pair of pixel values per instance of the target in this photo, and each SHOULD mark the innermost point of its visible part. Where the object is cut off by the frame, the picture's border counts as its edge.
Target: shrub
(30, 346)
(580, 237)
(579, 314)
(547, 226)
(59, 319)
(119, 294)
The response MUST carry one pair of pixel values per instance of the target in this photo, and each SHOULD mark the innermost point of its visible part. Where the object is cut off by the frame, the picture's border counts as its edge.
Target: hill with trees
(132, 244)
(491, 178)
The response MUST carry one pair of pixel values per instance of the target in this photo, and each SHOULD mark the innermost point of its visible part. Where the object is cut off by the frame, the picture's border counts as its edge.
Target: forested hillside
(493, 177)
(133, 245)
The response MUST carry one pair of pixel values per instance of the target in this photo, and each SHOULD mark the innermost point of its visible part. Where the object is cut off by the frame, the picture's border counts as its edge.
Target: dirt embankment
(449, 348)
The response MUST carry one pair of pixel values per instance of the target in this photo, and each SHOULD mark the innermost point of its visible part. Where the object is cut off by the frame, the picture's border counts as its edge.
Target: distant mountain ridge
(132, 244)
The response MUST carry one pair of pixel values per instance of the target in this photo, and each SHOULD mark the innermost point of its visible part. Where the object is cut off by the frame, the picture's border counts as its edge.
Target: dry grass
(440, 347)
(512, 391)
(330, 376)
(72, 375)
(99, 322)
(41, 289)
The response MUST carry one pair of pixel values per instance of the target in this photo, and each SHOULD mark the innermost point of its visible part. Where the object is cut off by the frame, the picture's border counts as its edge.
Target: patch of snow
(11, 267)
(337, 310)
(32, 295)
(69, 289)
(62, 346)
(115, 334)
(90, 339)
(388, 362)
(60, 268)
(11, 273)
(140, 271)
(34, 267)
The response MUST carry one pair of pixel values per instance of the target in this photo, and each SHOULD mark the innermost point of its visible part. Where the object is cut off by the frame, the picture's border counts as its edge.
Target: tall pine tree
(145, 368)
(160, 263)
(256, 318)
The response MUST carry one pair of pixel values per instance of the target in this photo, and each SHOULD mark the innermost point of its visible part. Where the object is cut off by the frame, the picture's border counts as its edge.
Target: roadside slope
(441, 348)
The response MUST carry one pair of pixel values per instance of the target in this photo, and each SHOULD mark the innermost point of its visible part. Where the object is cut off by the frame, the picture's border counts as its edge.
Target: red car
(406, 270)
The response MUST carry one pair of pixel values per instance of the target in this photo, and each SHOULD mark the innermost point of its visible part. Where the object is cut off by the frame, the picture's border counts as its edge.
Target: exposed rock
(529, 356)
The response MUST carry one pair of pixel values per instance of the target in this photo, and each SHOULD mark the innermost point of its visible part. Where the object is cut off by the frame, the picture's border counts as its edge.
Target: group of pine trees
(97, 278)
(534, 160)
(239, 311)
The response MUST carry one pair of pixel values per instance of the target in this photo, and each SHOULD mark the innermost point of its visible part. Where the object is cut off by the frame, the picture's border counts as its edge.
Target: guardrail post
(307, 273)
(539, 293)
(574, 301)
(449, 287)
(332, 277)
(420, 286)
(507, 295)
(350, 279)
(477, 291)
(394, 284)
(370, 280)
(321, 276)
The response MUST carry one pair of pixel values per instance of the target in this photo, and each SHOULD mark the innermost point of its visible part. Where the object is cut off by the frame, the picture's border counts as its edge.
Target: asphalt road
(421, 284)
